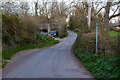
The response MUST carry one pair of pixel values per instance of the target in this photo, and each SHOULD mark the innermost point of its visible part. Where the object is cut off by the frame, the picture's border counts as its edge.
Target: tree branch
(100, 10)
(115, 10)
(115, 3)
(114, 16)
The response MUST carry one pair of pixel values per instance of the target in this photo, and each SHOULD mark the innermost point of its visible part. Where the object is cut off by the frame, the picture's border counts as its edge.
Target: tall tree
(107, 8)
(106, 15)
(24, 7)
(36, 8)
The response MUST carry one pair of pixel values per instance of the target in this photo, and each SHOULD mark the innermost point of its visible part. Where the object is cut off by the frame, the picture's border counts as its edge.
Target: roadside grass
(113, 34)
(100, 66)
(8, 53)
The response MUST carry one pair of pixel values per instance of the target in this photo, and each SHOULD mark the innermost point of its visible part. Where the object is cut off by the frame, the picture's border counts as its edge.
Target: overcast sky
(68, 1)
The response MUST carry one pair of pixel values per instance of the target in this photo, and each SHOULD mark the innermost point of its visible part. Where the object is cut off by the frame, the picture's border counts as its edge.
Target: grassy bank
(100, 66)
(41, 42)
(113, 33)
(10, 52)
(7, 54)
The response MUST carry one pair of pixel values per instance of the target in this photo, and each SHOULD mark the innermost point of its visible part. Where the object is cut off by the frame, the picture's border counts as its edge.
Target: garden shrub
(44, 38)
(87, 43)
(6, 38)
(17, 31)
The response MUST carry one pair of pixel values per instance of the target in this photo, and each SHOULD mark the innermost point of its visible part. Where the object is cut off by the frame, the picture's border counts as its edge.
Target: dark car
(54, 33)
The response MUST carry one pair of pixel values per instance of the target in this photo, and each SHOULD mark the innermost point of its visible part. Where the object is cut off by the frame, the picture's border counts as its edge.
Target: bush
(87, 43)
(17, 31)
(78, 22)
(112, 29)
(65, 35)
(44, 38)
(6, 38)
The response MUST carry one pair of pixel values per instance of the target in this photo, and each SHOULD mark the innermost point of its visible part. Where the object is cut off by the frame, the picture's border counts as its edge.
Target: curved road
(52, 62)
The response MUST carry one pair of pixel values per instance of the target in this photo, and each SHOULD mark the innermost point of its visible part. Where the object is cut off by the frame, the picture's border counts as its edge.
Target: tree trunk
(106, 26)
(36, 8)
(106, 16)
(89, 13)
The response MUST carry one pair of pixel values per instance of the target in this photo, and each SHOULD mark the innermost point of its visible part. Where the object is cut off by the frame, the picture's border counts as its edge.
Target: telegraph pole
(89, 12)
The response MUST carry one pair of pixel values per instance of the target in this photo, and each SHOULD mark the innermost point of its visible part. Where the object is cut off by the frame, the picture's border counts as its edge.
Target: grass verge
(100, 66)
(113, 34)
(7, 54)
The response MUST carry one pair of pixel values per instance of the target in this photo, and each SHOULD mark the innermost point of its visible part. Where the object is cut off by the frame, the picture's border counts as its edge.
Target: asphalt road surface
(55, 61)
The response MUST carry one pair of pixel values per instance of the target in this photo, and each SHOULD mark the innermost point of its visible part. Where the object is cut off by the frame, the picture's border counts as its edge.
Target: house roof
(113, 24)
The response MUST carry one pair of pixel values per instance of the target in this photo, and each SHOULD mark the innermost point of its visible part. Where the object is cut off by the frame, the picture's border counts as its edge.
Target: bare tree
(10, 7)
(24, 7)
(36, 8)
(107, 8)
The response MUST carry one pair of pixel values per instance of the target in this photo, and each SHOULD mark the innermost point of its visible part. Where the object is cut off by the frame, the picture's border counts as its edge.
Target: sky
(68, 1)
(60, 0)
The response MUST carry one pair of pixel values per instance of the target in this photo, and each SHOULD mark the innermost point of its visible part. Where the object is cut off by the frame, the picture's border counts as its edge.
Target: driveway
(55, 61)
